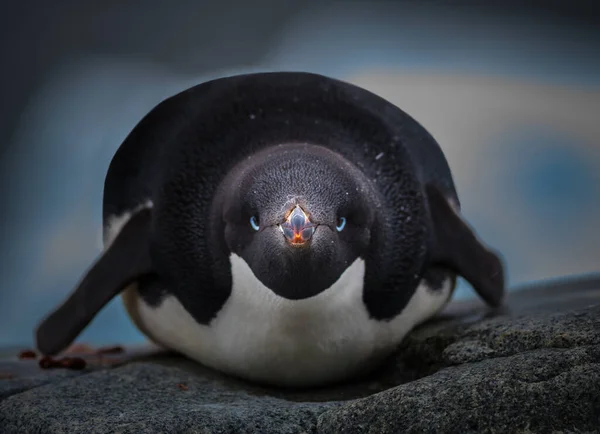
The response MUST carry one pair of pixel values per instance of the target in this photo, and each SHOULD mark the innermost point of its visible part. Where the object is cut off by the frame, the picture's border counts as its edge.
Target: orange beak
(297, 228)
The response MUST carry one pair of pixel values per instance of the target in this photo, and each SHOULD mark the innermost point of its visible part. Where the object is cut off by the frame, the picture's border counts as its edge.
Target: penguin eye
(341, 224)
(254, 223)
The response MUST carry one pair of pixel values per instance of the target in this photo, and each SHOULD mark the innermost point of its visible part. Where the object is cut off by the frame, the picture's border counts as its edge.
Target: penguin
(285, 228)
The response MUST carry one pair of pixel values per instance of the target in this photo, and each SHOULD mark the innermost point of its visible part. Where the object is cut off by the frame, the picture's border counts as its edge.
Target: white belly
(262, 337)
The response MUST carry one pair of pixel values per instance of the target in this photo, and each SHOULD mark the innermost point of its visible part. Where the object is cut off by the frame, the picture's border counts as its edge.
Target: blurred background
(511, 93)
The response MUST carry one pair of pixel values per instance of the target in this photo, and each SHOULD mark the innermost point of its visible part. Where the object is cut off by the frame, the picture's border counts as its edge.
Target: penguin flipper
(457, 247)
(125, 260)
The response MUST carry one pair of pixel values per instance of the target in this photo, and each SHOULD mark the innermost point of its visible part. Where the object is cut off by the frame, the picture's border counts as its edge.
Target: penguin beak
(297, 228)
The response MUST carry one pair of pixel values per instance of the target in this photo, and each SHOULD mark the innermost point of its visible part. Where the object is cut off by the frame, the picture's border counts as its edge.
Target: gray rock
(536, 374)
(532, 368)
(148, 397)
(17, 377)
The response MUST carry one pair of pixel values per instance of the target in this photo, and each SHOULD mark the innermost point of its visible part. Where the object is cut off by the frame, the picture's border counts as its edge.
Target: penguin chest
(260, 336)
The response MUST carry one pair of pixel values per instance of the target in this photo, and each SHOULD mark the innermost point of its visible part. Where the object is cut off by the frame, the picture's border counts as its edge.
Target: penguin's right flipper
(125, 260)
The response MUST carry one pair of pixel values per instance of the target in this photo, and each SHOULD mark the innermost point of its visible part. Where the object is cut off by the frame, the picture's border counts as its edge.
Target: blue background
(512, 97)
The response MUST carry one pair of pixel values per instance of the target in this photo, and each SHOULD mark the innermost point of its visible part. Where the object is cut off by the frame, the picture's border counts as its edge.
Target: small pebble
(27, 354)
(74, 363)
(47, 362)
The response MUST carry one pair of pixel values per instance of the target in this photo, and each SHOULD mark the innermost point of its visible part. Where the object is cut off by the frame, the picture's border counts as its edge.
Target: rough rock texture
(532, 374)
(533, 367)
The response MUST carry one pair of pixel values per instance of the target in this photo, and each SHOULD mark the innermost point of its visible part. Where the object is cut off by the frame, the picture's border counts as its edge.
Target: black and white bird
(286, 228)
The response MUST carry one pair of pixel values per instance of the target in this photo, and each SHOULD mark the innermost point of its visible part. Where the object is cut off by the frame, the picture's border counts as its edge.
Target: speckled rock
(532, 367)
(18, 377)
(148, 397)
(530, 374)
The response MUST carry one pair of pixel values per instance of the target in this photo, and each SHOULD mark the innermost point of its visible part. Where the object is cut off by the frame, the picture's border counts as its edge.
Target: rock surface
(532, 367)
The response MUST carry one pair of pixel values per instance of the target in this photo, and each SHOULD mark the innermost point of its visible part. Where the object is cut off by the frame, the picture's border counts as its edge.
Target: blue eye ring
(254, 223)
(341, 224)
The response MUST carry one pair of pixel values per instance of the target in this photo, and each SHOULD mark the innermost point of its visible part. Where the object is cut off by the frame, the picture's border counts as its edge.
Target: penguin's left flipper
(456, 246)
(125, 260)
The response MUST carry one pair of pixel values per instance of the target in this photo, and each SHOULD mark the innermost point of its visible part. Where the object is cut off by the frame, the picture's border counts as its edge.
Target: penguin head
(299, 216)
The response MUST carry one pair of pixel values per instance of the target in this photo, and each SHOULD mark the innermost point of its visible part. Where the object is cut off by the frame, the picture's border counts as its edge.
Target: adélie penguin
(286, 228)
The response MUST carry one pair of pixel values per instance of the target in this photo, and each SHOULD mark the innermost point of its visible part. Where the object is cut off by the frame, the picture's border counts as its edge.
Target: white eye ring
(254, 223)
(341, 225)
